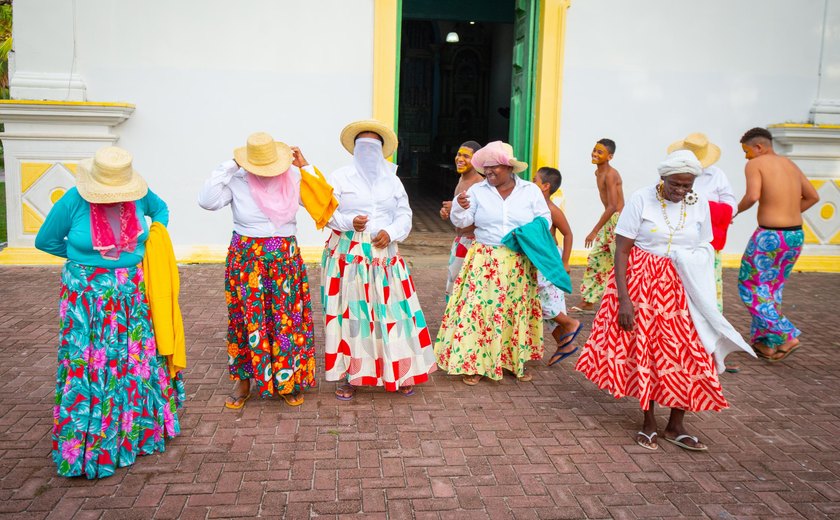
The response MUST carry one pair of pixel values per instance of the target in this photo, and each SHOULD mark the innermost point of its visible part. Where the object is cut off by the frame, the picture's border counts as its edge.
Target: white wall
(206, 73)
(648, 73)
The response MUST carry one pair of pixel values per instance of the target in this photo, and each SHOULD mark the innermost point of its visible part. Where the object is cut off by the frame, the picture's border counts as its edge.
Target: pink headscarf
(109, 221)
(277, 197)
(495, 153)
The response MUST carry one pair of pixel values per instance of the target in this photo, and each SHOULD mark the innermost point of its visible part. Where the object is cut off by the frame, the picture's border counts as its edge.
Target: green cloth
(535, 240)
(66, 231)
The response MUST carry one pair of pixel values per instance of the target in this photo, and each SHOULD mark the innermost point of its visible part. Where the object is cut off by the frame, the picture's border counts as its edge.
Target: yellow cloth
(162, 287)
(317, 197)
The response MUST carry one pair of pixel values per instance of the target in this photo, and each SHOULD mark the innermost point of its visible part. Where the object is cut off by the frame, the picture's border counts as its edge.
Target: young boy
(602, 237)
(463, 237)
(563, 328)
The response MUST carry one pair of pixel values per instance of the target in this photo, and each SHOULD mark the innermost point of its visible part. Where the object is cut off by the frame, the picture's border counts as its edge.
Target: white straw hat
(389, 138)
(263, 156)
(109, 177)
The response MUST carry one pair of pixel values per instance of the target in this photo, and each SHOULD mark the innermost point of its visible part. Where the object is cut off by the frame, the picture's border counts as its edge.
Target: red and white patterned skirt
(662, 358)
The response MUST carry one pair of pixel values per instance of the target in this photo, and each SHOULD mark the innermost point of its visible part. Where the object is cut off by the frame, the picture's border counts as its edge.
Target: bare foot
(783, 351)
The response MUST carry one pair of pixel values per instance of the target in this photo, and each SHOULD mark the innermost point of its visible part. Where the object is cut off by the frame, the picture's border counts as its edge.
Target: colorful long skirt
(765, 266)
(270, 333)
(114, 398)
(661, 359)
(493, 320)
(599, 263)
(375, 330)
(457, 253)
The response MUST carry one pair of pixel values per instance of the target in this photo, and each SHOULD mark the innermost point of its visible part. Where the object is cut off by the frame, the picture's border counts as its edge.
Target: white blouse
(228, 184)
(714, 185)
(495, 217)
(642, 220)
(385, 203)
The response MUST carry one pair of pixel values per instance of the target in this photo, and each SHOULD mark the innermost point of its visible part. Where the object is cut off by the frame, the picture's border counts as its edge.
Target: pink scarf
(277, 197)
(107, 221)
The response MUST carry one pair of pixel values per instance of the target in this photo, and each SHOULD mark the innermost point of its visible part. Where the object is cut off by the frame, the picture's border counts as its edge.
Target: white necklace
(683, 215)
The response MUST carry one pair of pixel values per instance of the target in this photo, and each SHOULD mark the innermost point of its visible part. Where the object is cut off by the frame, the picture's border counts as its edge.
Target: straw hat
(108, 177)
(389, 138)
(497, 152)
(706, 152)
(263, 156)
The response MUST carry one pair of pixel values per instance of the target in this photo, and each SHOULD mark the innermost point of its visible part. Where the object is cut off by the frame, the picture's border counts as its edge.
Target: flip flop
(578, 310)
(344, 389)
(651, 445)
(560, 356)
(293, 399)
(733, 369)
(762, 355)
(240, 400)
(525, 377)
(406, 394)
(678, 441)
(785, 353)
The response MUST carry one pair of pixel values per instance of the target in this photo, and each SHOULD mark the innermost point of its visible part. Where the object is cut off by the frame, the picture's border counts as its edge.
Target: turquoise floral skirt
(114, 397)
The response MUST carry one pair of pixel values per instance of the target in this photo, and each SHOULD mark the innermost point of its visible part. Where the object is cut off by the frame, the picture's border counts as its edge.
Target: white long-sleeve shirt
(228, 185)
(495, 217)
(385, 203)
(714, 186)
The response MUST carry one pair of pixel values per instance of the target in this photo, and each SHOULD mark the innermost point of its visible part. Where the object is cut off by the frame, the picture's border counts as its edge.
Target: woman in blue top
(114, 397)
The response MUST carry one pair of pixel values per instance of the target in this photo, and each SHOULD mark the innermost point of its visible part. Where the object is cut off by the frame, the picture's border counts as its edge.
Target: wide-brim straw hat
(109, 177)
(705, 151)
(389, 138)
(263, 156)
(494, 153)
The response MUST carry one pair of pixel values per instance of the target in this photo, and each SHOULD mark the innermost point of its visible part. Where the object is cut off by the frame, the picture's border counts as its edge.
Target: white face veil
(368, 160)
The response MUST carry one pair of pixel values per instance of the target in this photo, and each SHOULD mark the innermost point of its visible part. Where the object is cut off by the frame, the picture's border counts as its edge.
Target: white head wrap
(680, 161)
(369, 161)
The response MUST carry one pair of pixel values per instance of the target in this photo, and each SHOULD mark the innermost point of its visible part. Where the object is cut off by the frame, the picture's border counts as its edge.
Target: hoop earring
(691, 198)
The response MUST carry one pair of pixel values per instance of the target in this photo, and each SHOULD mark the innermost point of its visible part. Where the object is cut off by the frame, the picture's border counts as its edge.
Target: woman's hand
(360, 222)
(381, 240)
(445, 209)
(587, 242)
(297, 157)
(625, 314)
(464, 200)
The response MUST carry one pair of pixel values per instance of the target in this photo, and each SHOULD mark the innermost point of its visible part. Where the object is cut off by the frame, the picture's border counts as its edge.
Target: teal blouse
(66, 231)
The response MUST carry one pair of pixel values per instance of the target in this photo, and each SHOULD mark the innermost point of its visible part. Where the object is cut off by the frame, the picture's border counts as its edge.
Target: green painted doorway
(466, 72)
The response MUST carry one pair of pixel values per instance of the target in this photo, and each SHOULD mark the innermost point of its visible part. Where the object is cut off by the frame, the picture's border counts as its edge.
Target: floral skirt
(661, 359)
(493, 320)
(375, 330)
(270, 332)
(114, 397)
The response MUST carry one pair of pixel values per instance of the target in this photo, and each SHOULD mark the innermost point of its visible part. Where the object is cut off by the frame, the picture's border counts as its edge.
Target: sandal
(345, 392)
(238, 401)
(650, 444)
(295, 399)
(782, 354)
(525, 377)
(678, 440)
(406, 391)
(471, 379)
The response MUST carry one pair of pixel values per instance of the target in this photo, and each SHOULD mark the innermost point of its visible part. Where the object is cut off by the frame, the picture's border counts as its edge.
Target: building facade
(181, 84)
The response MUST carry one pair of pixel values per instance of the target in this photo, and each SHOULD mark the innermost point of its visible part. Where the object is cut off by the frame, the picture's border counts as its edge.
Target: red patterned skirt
(662, 358)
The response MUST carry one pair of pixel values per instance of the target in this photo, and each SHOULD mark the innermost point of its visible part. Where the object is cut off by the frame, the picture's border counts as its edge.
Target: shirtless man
(602, 238)
(463, 237)
(782, 193)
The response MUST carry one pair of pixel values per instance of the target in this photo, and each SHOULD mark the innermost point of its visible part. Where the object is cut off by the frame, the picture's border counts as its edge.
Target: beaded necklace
(683, 215)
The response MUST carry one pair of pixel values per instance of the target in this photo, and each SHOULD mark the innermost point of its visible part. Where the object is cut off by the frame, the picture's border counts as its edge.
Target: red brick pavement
(553, 448)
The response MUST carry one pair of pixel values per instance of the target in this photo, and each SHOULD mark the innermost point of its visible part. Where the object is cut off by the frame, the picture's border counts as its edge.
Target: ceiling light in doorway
(452, 37)
(472, 23)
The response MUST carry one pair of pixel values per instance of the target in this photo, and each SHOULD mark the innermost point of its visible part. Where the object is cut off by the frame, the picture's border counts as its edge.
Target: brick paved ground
(552, 448)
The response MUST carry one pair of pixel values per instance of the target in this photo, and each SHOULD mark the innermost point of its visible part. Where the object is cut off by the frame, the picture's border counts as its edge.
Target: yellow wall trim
(549, 83)
(803, 125)
(385, 26)
(32, 220)
(60, 103)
